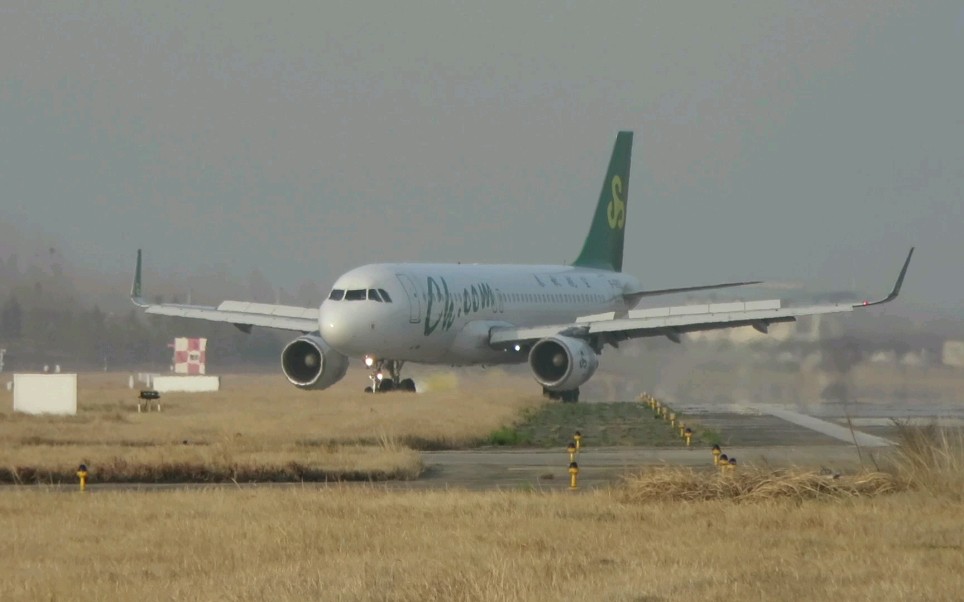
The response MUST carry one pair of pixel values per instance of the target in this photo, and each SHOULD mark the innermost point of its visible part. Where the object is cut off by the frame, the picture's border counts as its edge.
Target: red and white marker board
(189, 355)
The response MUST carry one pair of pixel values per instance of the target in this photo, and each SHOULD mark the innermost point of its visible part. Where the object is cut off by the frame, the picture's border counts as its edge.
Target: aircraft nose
(335, 328)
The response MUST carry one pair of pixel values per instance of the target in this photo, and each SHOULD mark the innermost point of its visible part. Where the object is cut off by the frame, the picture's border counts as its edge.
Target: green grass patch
(508, 436)
(709, 436)
(601, 424)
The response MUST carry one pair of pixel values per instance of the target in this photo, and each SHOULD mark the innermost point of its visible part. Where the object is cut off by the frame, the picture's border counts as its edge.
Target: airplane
(556, 318)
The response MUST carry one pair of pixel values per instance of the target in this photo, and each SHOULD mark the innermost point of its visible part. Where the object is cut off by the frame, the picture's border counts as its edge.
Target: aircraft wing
(671, 322)
(242, 314)
(634, 296)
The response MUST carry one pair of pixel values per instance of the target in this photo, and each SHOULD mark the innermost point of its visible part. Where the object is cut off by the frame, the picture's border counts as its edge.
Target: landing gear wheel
(392, 381)
(368, 389)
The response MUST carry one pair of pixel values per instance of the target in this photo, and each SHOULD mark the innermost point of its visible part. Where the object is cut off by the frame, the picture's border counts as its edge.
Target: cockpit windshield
(360, 294)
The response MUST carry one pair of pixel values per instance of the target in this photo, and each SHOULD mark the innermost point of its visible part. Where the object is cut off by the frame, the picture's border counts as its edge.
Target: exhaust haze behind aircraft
(557, 318)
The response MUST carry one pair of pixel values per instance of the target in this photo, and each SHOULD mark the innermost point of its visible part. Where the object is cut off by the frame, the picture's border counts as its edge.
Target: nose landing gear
(393, 381)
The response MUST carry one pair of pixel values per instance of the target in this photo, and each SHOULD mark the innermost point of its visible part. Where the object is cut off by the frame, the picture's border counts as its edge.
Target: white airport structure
(186, 384)
(953, 354)
(45, 393)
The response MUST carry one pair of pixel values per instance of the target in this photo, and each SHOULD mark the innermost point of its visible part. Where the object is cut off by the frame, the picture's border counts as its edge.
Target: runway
(479, 469)
(755, 434)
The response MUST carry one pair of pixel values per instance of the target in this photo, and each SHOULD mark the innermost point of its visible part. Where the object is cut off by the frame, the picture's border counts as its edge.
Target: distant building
(953, 354)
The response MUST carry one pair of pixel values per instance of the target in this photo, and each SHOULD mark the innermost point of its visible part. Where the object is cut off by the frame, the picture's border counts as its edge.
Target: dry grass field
(256, 428)
(664, 534)
(364, 543)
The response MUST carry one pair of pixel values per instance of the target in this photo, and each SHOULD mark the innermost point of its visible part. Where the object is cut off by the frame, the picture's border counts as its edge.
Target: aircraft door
(414, 300)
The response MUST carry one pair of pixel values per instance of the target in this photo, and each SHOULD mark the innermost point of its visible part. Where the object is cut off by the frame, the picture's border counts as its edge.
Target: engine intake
(309, 363)
(562, 363)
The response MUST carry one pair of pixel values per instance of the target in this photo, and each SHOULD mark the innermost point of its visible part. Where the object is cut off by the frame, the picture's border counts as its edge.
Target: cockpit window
(337, 294)
(385, 296)
(373, 295)
(355, 295)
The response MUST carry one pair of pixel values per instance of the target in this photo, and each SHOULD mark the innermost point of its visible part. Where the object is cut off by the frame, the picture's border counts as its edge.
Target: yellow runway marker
(573, 475)
(82, 475)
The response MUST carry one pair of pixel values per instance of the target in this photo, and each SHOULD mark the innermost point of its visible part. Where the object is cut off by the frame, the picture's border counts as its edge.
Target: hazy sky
(795, 141)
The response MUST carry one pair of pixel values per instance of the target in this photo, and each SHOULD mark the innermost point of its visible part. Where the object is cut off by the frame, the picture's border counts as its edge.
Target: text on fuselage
(444, 306)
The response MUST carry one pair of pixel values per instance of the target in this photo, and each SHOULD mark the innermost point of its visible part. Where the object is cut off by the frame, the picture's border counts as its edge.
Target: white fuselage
(442, 313)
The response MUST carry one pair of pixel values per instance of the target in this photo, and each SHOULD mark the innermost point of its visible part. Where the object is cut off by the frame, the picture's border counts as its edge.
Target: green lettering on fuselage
(440, 310)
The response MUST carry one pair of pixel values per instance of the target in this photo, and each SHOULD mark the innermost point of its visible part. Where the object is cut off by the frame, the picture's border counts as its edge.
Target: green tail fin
(603, 248)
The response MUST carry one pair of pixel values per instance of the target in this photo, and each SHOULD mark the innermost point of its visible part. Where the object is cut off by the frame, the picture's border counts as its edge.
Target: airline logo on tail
(616, 211)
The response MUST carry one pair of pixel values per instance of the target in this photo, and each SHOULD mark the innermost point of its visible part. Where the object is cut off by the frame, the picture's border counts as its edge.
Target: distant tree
(11, 319)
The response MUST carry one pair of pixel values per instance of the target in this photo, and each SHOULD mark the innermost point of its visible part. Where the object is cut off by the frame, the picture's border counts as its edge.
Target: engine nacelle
(562, 363)
(309, 363)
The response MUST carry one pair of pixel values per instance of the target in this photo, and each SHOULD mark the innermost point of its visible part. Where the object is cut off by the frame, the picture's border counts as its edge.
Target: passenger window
(337, 294)
(384, 295)
(373, 295)
(355, 295)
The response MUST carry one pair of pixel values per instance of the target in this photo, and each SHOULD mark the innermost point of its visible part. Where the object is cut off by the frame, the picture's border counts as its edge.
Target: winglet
(136, 285)
(900, 281)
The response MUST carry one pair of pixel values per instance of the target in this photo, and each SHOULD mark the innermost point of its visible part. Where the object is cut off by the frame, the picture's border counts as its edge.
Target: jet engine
(562, 363)
(309, 363)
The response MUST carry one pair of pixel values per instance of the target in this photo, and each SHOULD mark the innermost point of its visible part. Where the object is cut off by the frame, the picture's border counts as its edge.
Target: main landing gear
(383, 382)
(571, 396)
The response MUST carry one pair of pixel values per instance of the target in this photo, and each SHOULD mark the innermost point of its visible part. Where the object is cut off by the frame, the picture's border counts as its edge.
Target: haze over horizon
(804, 143)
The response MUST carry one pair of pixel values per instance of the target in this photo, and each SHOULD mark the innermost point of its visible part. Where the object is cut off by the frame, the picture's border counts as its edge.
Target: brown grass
(931, 459)
(256, 428)
(241, 461)
(751, 484)
(366, 543)
(665, 535)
